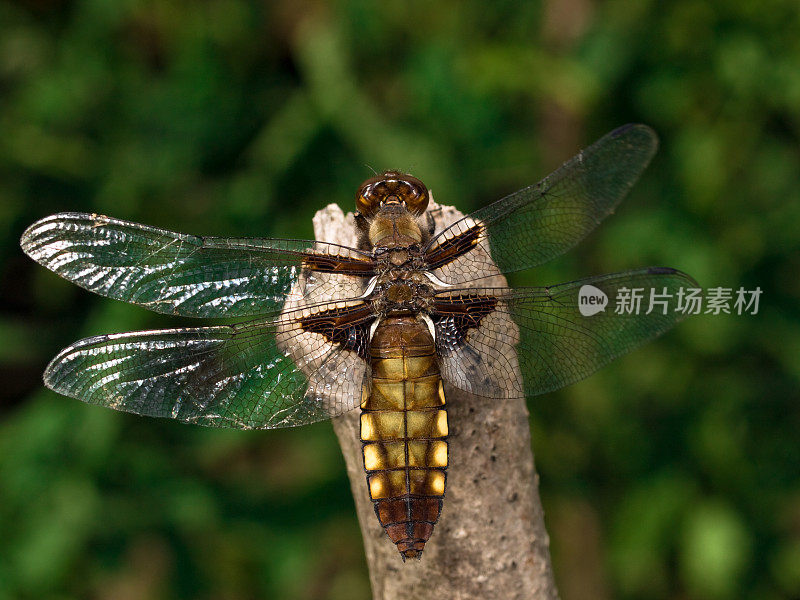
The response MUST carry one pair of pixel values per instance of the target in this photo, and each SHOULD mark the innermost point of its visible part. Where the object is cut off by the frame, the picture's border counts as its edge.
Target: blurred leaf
(714, 551)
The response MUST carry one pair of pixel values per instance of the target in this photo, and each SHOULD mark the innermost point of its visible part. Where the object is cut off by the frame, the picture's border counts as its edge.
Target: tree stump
(490, 541)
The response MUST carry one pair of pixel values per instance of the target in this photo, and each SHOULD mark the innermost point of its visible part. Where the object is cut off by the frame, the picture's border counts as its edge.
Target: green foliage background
(671, 475)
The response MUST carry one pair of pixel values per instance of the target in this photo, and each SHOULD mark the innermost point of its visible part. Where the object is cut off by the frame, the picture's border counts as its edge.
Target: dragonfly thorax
(393, 230)
(403, 294)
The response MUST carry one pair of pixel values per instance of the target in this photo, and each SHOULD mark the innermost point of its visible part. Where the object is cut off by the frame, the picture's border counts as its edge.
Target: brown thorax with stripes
(394, 224)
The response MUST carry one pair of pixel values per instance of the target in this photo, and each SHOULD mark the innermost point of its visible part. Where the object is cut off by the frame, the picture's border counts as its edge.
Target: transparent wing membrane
(543, 329)
(540, 222)
(246, 376)
(181, 274)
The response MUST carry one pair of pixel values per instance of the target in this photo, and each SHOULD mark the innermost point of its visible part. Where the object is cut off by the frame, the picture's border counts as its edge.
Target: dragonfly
(379, 326)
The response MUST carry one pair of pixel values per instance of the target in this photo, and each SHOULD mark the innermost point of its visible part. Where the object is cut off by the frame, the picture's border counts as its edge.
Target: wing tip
(31, 238)
(639, 127)
(51, 375)
(672, 271)
(27, 240)
(637, 130)
(51, 378)
(622, 129)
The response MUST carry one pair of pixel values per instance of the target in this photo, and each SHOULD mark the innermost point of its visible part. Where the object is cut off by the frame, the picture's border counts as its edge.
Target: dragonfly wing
(246, 376)
(487, 337)
(542, 221)
(180, 274)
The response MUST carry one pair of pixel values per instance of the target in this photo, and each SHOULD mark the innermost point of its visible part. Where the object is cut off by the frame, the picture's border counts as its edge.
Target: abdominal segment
(404, 432)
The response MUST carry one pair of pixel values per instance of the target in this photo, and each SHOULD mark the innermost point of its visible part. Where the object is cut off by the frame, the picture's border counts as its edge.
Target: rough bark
(490, 541)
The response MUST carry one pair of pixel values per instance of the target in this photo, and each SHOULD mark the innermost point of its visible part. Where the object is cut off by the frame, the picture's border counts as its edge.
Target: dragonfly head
(392, 190)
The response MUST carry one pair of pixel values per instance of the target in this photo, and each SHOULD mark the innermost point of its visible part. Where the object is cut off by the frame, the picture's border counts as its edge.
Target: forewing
(242, 376)
(487, 337)
(540, 222)
(175, 273)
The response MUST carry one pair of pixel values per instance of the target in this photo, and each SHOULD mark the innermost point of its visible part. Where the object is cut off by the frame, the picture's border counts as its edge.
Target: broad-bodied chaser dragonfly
(377, 327)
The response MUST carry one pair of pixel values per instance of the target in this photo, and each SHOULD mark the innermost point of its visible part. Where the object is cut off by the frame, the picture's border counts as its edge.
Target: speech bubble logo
(591, 300)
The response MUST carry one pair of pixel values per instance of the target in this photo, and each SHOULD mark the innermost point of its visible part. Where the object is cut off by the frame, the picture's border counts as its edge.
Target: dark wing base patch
(455, 315)
(347, 327)
(450, 248)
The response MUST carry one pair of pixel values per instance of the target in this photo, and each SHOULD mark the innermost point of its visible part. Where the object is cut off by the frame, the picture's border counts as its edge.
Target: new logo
(591, 300)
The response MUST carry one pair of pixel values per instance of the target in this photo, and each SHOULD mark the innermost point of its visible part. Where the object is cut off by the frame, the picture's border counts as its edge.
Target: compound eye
(367, 204)
(392, 187)
(417, 200)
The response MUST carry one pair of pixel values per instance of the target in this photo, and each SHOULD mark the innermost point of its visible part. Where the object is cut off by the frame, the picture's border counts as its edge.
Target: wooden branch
(490, 541)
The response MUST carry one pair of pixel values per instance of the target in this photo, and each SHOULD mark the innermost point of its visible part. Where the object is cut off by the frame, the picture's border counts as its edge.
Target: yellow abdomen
(404, 432)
